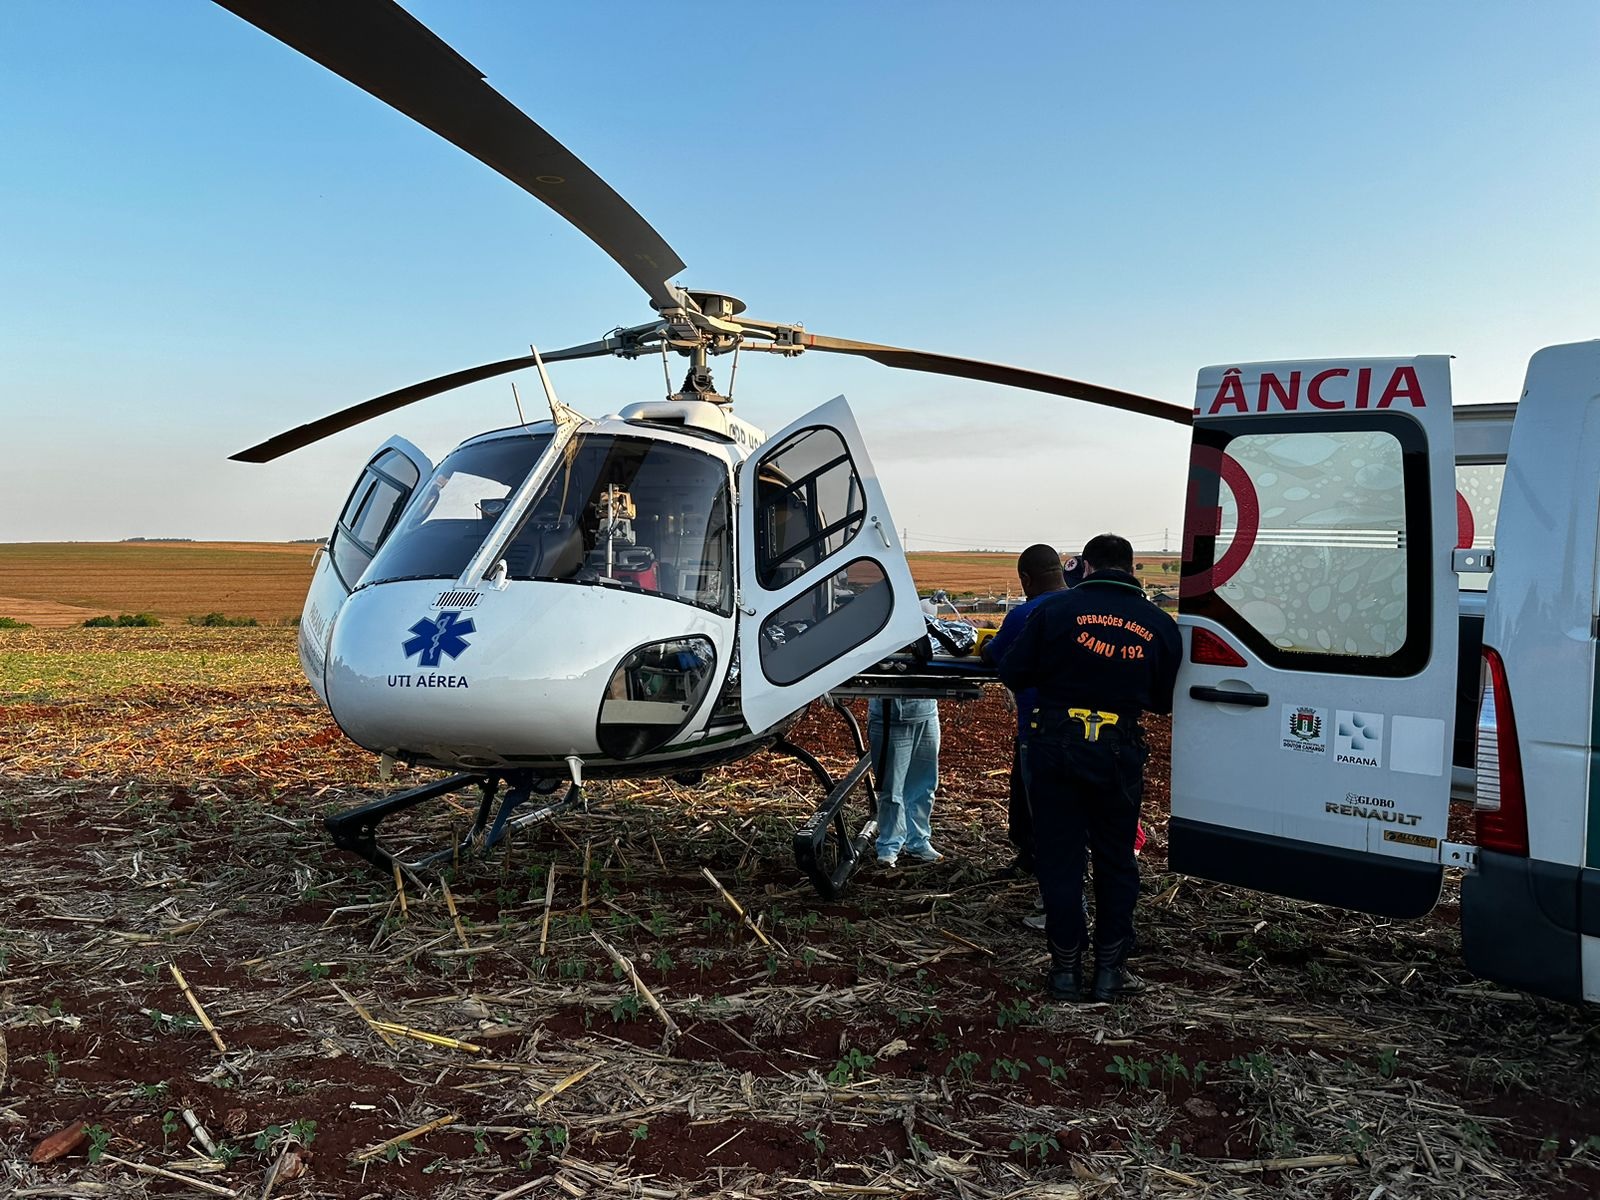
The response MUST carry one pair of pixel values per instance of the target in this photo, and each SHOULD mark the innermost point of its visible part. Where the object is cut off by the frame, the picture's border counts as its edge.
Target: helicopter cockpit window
(634, 513)
(369, 514)
(458, 507)
(811, 504)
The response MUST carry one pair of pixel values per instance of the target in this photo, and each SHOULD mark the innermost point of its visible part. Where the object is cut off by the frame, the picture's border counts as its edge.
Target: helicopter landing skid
(357, 830)
(824, 848)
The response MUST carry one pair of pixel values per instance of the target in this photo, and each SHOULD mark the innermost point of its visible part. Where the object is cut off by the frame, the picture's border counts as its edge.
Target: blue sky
(206, 239)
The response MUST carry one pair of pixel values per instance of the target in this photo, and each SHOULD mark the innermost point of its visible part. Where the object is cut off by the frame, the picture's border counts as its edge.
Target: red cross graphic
(1201, 520)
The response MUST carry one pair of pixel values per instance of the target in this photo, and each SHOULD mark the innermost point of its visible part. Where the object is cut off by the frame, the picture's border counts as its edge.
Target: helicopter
(653, 592)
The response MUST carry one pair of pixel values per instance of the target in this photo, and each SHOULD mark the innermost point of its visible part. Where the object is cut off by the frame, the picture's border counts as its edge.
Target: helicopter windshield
(628, 512)
(459, 505)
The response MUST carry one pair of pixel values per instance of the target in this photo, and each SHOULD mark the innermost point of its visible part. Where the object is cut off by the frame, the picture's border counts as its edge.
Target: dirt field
(160, 796)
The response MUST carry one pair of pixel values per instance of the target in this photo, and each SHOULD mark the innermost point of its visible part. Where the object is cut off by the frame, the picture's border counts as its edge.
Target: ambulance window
(810, 504)
(1312, 544)
(1477, 510)
(825, 622)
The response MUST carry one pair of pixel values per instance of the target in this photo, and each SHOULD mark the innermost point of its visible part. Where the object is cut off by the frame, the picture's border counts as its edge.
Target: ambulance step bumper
(1520, 924)
(1389, 887)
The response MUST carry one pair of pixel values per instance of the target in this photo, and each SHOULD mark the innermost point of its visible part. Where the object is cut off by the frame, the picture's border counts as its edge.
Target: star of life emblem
(441, 635)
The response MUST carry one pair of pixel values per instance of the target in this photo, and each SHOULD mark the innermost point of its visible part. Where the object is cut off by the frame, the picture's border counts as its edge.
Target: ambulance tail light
(1209, 650)
(1501, 802)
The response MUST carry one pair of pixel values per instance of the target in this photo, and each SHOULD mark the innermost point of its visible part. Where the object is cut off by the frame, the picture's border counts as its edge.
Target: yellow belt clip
(1092, 721)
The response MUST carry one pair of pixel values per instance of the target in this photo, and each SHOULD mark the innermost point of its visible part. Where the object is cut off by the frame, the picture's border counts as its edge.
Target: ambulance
(1389, 609)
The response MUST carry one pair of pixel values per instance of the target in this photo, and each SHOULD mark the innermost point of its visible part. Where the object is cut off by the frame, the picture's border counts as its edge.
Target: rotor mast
(699, 325)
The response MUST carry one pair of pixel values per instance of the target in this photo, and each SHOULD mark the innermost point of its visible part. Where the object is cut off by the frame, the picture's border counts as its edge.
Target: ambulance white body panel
(1387, 603)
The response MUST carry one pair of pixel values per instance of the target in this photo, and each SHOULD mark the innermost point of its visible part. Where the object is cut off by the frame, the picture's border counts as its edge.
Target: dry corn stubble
(160, 798)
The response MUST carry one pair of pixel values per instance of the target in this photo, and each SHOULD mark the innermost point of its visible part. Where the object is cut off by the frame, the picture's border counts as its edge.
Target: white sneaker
(888, 860)
(927, 855)
(1034, 921)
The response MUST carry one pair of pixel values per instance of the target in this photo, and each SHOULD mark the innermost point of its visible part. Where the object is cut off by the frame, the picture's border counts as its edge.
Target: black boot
(1112, 979)
(1066, 975)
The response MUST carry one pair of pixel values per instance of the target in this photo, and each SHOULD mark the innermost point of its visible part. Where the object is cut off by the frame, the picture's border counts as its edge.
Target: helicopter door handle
(878, 525)
(1250, 699)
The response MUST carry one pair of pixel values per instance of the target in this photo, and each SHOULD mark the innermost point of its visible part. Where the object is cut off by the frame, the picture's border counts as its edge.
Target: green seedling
(99, 1138)
(1032, 1144)
(964, 1064)
(850, 1066)
(1011, 1068)
(1132, 1071)
(1019, 1012)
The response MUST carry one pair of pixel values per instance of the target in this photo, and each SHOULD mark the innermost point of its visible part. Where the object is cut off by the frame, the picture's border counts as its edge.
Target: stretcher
(825, 849)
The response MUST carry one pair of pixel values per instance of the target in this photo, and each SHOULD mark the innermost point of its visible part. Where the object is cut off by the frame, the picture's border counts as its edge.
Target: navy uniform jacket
(1099, 645)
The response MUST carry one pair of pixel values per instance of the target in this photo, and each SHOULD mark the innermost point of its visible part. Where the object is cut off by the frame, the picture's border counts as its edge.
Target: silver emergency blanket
(955, 638)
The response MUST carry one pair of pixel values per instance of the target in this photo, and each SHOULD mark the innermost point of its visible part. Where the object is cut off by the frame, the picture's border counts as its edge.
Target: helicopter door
(370, 513)
(1313, 715)
(825, 591)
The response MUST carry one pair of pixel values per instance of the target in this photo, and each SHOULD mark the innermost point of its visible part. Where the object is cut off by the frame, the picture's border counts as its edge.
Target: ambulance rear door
(1313, 717)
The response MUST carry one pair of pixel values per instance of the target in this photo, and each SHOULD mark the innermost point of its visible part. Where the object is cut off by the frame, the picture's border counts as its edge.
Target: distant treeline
(158, 539)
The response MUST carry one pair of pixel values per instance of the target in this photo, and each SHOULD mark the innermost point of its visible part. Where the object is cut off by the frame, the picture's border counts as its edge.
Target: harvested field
(968, 572)
(55, 585)
(160, 796)
(173, 580)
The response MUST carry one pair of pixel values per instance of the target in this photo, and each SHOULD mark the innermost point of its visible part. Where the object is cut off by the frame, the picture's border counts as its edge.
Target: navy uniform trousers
(1085, 795)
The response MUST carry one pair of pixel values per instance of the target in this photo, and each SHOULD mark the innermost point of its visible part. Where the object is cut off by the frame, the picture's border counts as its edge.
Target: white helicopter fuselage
(529, 685)
(598, 592)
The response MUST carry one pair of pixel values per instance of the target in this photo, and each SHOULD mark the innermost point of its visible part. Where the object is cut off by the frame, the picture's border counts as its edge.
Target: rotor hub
(717, 304)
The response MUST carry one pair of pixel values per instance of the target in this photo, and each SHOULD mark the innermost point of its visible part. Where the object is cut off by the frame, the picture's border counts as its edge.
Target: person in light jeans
(904, 735)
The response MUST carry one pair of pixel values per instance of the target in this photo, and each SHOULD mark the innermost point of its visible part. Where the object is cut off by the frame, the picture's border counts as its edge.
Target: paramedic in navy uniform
(1098, 655)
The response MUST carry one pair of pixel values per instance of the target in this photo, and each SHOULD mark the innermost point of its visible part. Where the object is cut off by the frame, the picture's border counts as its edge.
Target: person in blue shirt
(1041, 574)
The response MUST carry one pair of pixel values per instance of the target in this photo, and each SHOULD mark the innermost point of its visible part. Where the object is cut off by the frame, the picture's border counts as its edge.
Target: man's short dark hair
(1109, 552)
(1039, 560)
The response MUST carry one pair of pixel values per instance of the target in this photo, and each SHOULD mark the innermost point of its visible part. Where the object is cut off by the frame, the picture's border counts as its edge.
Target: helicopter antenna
(521, 419)
(560, 413)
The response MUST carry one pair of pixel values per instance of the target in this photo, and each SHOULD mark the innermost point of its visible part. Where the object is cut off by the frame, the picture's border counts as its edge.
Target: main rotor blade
(315, 431)
(384, 50)
(968, 368)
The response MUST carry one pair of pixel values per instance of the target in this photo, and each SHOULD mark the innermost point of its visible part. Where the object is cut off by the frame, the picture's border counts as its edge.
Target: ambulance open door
(1313, 716)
